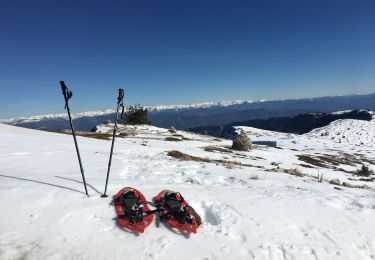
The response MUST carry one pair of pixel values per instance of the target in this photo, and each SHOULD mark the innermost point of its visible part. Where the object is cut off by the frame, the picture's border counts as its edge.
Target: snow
(198, 105)
(350, 131)
(20, 120)
(248, 212)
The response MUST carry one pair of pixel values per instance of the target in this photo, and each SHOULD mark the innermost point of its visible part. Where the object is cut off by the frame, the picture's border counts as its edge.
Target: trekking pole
(67, 95)
(119, 103)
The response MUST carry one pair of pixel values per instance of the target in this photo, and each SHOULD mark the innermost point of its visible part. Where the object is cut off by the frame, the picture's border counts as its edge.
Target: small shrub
(125, 132)
(295, 172)
(186, 157)
(217, 149)
(137, 115)
(183, 156)
(173, 139)
(242, 142)
(306, 165)
(310, 160)
(107, 122)
(229, 165)
(102, 136)
(364, 171)
(348, 185)
(254, 177)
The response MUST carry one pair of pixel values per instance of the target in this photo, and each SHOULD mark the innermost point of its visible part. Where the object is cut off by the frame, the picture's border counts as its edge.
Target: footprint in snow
(161, 243)
(222, 219)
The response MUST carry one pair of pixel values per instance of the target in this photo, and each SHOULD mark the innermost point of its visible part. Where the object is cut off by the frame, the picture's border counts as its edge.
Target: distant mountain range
(217, 114)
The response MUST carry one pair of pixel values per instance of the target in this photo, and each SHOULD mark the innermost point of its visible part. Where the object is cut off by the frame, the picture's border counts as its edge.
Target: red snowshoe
(176, 211)
(132, 210)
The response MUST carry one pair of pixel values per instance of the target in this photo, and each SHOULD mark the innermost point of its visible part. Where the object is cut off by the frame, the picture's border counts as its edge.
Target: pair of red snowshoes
(134, 213)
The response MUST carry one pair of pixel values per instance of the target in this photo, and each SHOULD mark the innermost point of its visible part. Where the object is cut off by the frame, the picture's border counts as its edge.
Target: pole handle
(66, 93)
(120, 101)
(120, 96)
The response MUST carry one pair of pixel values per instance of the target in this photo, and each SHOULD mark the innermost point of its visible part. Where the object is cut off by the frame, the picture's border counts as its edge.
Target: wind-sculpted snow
(251, 209)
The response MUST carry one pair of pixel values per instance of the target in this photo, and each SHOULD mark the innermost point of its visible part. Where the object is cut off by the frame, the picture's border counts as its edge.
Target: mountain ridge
(205, 114)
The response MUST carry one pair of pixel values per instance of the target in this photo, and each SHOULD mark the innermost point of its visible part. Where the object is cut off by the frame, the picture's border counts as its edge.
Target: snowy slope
(249, 212)
(354, 132)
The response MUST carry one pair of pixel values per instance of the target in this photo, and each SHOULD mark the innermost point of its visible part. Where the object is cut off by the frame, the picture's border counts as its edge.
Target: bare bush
(364, 171)
(295, 172)
(173, 139)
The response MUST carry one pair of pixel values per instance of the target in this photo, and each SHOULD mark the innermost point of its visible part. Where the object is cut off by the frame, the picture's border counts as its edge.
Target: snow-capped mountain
(206, 114)
(199, 105)
(204, 105)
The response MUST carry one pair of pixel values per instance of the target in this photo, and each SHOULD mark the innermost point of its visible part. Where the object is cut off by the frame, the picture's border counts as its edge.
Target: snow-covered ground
(250, 209)
(354, 132)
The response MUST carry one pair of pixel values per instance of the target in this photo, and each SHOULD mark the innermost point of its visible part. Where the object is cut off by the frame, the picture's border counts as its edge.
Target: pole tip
(104, 196)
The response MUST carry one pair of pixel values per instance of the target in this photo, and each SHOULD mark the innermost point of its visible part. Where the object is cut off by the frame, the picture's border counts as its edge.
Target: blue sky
(172, 52)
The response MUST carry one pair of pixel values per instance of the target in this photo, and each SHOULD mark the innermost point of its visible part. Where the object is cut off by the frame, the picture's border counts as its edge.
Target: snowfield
(354, 132)
(253, 204)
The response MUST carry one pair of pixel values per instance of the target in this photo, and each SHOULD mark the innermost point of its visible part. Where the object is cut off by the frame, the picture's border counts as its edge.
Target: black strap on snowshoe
(66, 92)
(129, 199)
(173, 209)
(131, 206)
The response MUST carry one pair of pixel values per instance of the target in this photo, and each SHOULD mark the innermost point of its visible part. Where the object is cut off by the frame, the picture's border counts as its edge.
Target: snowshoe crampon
(176, 212)
(132, 210)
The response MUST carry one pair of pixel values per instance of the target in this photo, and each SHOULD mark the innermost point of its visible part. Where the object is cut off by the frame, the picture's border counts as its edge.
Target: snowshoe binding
(176, 212)
(132, 210)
